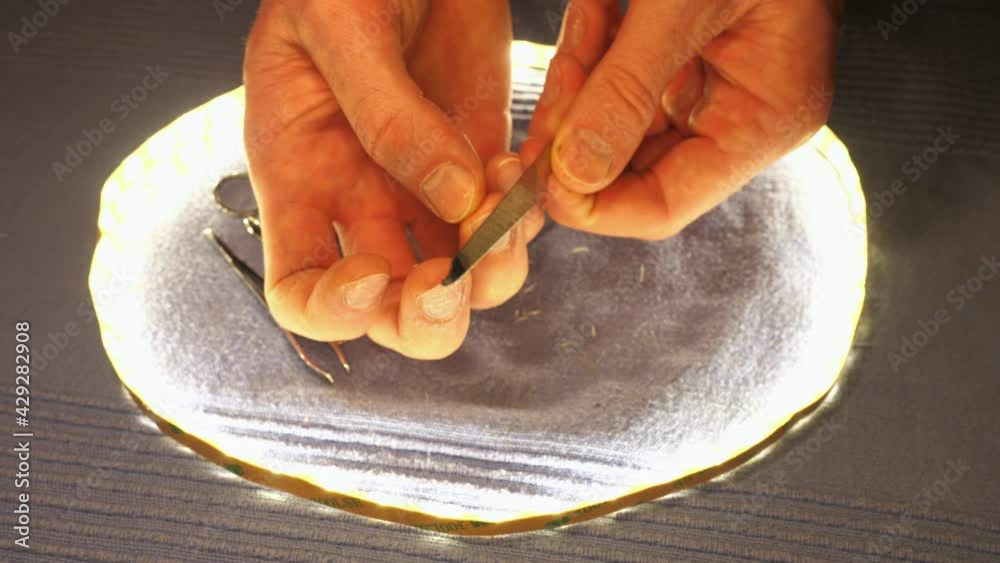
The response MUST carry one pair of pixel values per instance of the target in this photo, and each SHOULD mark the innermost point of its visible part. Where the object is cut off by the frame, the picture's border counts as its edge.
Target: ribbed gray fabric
(107, 487)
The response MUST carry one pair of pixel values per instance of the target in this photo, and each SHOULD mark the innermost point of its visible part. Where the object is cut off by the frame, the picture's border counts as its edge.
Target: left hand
(661, 114)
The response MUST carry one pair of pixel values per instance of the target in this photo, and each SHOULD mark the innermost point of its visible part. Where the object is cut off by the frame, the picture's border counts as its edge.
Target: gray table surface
(108, 487)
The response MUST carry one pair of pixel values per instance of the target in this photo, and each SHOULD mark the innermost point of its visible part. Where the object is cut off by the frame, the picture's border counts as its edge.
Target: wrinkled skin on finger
(368, 128)
(659, 114)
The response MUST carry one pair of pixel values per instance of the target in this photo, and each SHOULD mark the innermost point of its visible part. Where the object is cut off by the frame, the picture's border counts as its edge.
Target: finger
(474, 88)
(434, 238)
(501, 174)
(586, 33)
(502, 272)
(565, 79)
(653, 148)
(309, 289)
(383, 237)
(422, 319)
(683, 95)
(691, 177)
(404, 132)
(743, 121)
(621, 98)
(587, 30)
(661, 123)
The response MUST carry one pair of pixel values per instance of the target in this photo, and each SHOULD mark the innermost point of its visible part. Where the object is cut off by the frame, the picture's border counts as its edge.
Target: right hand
(349, 142)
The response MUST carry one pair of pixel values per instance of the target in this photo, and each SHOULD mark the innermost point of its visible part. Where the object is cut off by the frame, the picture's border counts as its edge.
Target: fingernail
(553, 84)
(472, 145)
(442, 303)
(681, 96)
(584, 157)
(573, 28)
(449, 190)
(342, 239)
(696, 114)
(509, 172)
(366, 292)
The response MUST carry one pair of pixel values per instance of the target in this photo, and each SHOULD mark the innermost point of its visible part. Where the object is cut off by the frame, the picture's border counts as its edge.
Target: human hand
(660, 115)
(367, 124)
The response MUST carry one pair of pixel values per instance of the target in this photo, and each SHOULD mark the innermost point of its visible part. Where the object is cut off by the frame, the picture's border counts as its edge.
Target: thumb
(359, 52)
(620, 99)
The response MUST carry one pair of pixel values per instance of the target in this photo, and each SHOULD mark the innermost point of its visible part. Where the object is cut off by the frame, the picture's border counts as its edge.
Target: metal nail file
(525, 195)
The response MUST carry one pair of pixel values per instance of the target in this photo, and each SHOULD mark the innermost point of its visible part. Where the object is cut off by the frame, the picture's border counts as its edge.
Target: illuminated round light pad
(624, 370)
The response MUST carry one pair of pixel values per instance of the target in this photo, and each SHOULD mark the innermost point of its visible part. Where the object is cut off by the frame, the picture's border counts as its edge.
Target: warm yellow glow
(527, 54)
(137, 197)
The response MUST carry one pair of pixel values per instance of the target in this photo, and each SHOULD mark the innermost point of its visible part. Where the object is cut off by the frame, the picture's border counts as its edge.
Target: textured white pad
(638, 363)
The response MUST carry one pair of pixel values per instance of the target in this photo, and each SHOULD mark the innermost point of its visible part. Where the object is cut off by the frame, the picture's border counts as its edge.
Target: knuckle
(288, 303)
(633, 96)
(490, 131)
(382, 128)
(668, 226)
(278, 297)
